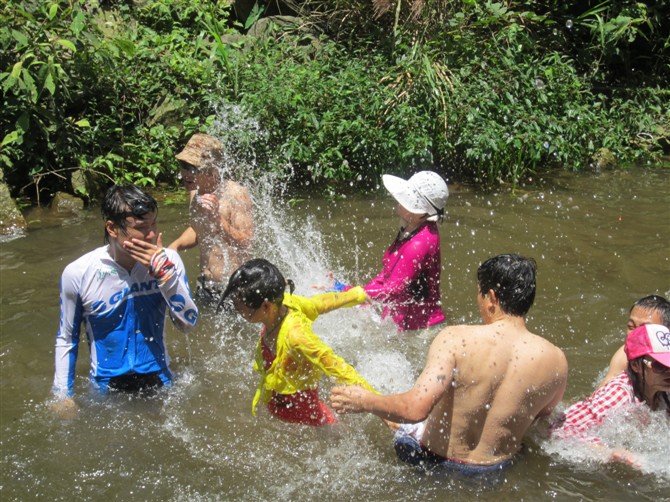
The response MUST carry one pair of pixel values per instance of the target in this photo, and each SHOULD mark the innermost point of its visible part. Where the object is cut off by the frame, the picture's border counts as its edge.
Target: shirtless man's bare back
(482, 386)
(221, 210)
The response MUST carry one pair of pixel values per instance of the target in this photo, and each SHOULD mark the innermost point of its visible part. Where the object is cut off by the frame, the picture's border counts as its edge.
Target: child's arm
(327, 302)
(322, 356)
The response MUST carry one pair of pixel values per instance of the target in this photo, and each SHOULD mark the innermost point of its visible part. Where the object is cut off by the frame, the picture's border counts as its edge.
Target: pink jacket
(409, 284)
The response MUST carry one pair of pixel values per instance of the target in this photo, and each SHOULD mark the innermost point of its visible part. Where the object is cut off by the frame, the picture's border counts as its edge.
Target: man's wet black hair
(655, 303)
(512, 278)
(254, 282)
(122, 201)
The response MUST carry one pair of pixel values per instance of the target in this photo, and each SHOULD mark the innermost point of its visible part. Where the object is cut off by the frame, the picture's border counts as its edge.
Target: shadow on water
(600, 242)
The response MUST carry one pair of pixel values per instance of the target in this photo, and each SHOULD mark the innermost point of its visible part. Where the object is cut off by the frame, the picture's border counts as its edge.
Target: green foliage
(512, 109)
(475, 95)
(500, 98)
(329, 114)
(625, 34)
(99, 90)
(487, 91)
(41, 45)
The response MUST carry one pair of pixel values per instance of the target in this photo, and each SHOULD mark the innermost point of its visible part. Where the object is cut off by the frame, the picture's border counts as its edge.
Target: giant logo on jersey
(178, 304)
(100, 306)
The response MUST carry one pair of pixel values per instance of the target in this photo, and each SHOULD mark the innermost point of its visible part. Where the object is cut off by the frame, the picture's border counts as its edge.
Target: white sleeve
(67, 340)
(177, 294)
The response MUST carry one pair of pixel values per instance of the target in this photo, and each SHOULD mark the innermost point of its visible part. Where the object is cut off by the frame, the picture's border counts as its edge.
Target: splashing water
(198, 440)
(638, 430)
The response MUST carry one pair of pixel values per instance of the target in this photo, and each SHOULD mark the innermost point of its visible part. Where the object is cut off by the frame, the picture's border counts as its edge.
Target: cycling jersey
(124, 317)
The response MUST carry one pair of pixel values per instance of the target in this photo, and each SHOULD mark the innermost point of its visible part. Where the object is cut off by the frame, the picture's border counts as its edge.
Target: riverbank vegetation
(337, 92)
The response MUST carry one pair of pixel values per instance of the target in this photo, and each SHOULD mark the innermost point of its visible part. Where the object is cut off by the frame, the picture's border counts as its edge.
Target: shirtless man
(651, 309)
(482, 386)
(220, 216)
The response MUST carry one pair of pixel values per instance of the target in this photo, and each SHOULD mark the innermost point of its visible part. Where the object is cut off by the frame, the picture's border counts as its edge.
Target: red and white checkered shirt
(583, 415)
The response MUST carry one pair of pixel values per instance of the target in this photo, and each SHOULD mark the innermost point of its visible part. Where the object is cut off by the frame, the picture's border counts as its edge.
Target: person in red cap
(221, 216)
(645, 380)
(652, 309)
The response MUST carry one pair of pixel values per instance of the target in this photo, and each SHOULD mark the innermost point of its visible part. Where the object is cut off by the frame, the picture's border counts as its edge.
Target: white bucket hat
(424, 193)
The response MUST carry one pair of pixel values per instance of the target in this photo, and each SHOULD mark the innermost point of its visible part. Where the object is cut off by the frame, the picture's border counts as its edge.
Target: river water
(600, 240)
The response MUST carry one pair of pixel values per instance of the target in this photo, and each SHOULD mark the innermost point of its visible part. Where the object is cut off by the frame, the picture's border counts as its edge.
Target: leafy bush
(93, 89)
(330, 114)
(485, 91)
(490, 109)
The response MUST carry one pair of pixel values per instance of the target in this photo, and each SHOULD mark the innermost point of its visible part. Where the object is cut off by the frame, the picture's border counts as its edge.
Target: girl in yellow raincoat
(289, 356)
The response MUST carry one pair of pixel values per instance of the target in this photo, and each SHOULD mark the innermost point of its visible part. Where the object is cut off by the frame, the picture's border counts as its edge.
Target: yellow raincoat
(301, 356)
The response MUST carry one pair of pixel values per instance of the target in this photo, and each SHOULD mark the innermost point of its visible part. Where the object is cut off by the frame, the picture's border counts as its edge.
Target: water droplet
(568, 24)
(539, 84)
(546, 144)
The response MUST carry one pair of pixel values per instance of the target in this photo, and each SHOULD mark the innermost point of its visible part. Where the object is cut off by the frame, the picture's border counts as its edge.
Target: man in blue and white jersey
(121, 292)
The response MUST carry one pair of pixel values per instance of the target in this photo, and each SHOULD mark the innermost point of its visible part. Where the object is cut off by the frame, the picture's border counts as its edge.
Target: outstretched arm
(327, 302)
(410, 407)
(303, 340)
(187, 240)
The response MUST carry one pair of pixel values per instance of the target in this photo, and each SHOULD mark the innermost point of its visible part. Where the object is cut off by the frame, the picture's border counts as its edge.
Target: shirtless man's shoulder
(473, 339)
(237, 191)
(499, 353)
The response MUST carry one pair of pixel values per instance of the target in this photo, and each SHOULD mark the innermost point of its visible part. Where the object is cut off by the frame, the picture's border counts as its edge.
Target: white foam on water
(219, 386)
(389, 372)
(638, 430)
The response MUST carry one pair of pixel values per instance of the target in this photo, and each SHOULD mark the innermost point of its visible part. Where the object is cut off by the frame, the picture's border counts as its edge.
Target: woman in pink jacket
(409, 283)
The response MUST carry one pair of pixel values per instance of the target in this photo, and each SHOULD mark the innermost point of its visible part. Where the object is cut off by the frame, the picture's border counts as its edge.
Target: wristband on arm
(161, 268)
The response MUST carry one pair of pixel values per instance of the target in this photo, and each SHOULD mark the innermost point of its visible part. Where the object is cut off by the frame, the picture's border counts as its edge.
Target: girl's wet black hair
(122, 201)
(254, 282)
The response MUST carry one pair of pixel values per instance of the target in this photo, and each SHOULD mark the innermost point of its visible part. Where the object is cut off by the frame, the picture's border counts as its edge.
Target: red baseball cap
(649, 340)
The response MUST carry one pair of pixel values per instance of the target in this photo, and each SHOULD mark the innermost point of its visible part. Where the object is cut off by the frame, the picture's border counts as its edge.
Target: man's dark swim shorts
(409, 449)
